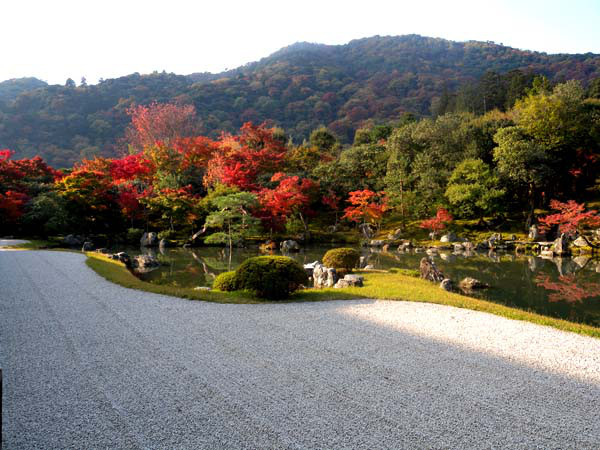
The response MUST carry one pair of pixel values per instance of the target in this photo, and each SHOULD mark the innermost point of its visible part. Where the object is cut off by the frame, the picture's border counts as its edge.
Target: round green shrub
(271, 277)
(342, 258)
(225, 281)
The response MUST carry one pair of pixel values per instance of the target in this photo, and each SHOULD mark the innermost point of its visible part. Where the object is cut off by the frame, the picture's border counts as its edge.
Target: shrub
(134, 235)
(225, 281)
(342, 258)
(271, 277)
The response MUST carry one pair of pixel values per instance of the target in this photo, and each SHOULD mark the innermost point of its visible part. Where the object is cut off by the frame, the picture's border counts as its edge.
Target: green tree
(523, 161)
(233, 218)
(473, 189)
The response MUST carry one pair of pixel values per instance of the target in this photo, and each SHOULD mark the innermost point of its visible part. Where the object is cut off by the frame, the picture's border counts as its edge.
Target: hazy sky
(57, 39)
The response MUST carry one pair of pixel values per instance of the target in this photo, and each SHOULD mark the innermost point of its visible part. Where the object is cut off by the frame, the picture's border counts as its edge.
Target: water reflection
(561, 287)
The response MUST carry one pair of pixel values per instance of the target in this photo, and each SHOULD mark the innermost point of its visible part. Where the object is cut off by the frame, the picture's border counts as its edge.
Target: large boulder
(580, 242)
(290, 246)
(149, 240)
(450, 237)
(73, 240)
(145, 263)
(561, 245)
(122, 257)
(376, 243)
(87, 246)
(470, 284)
(447, 285)
(324, 276)
(429, 271)
(349, 281)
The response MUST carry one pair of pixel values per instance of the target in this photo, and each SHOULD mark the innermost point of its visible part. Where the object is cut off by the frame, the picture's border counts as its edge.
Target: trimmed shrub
(342, 258)
(225, 281)
(271, 277)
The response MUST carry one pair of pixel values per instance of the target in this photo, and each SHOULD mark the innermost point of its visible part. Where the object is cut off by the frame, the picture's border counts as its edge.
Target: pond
(567, 288)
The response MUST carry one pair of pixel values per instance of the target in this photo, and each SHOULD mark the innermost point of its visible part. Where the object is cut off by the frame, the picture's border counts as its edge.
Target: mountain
(298, 88)
(11, 89)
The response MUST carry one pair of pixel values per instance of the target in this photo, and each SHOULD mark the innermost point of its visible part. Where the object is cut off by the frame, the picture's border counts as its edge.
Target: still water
(567, 288)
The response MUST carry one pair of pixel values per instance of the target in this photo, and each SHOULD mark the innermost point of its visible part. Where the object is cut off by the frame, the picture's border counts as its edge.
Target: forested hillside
(299, 88)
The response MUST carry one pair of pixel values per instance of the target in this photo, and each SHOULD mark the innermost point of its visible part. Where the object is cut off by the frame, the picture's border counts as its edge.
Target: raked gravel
(88, 364)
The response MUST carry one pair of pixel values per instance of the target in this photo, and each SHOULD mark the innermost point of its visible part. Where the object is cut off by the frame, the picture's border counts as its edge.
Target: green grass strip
(379, 285)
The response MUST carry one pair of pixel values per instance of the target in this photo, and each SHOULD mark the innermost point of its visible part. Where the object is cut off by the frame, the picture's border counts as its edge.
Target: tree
(523, 161)
(159, 122)
(366, 207)
(473, 189)
(233, 217)
(439, 222)
(241, 159)
(322, 139)
(290, 198)
(572, 218)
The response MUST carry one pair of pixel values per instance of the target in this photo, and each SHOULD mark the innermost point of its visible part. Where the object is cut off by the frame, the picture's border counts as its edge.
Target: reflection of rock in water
(448, 257)
(565, 266)
(493, 256)
(534, 263)
(582, 260)
(149, 251)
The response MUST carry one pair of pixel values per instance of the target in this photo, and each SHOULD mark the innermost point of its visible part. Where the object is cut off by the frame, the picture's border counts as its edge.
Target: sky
(58, 39)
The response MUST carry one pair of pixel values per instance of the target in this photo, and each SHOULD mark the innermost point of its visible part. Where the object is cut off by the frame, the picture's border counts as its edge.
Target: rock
(202, 288)
(519, 248)
(73, 240)
(122, 257)
(534, 233)
(290, 246)
(87, 246)
(405, 246)
(163, 244)
(385, 248)
(429, 271)
(561, 245)
(432, 236)
(349, 281)
(145, 263)
(310, 267)
(580, 242)
(450, 237)
(324, 276)
(187, 245)
(547, 254)
(366, 230)
(369, 267)
(469, 284)
(103, 251)
(494, 240)
(376, 243)
(482, 246)
(432, 251)
(447, 285)
(149, 239)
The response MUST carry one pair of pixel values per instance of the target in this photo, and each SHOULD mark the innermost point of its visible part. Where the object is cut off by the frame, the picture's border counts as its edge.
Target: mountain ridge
(299, 87)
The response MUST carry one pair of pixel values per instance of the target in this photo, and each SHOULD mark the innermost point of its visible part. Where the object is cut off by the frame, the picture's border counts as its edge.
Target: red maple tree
(571, 218)
(366, 206)
(439, 222)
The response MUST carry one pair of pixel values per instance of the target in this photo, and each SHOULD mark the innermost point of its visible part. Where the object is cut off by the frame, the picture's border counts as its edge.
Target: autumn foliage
(439, 222)
(366, 206)
(571, 217)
